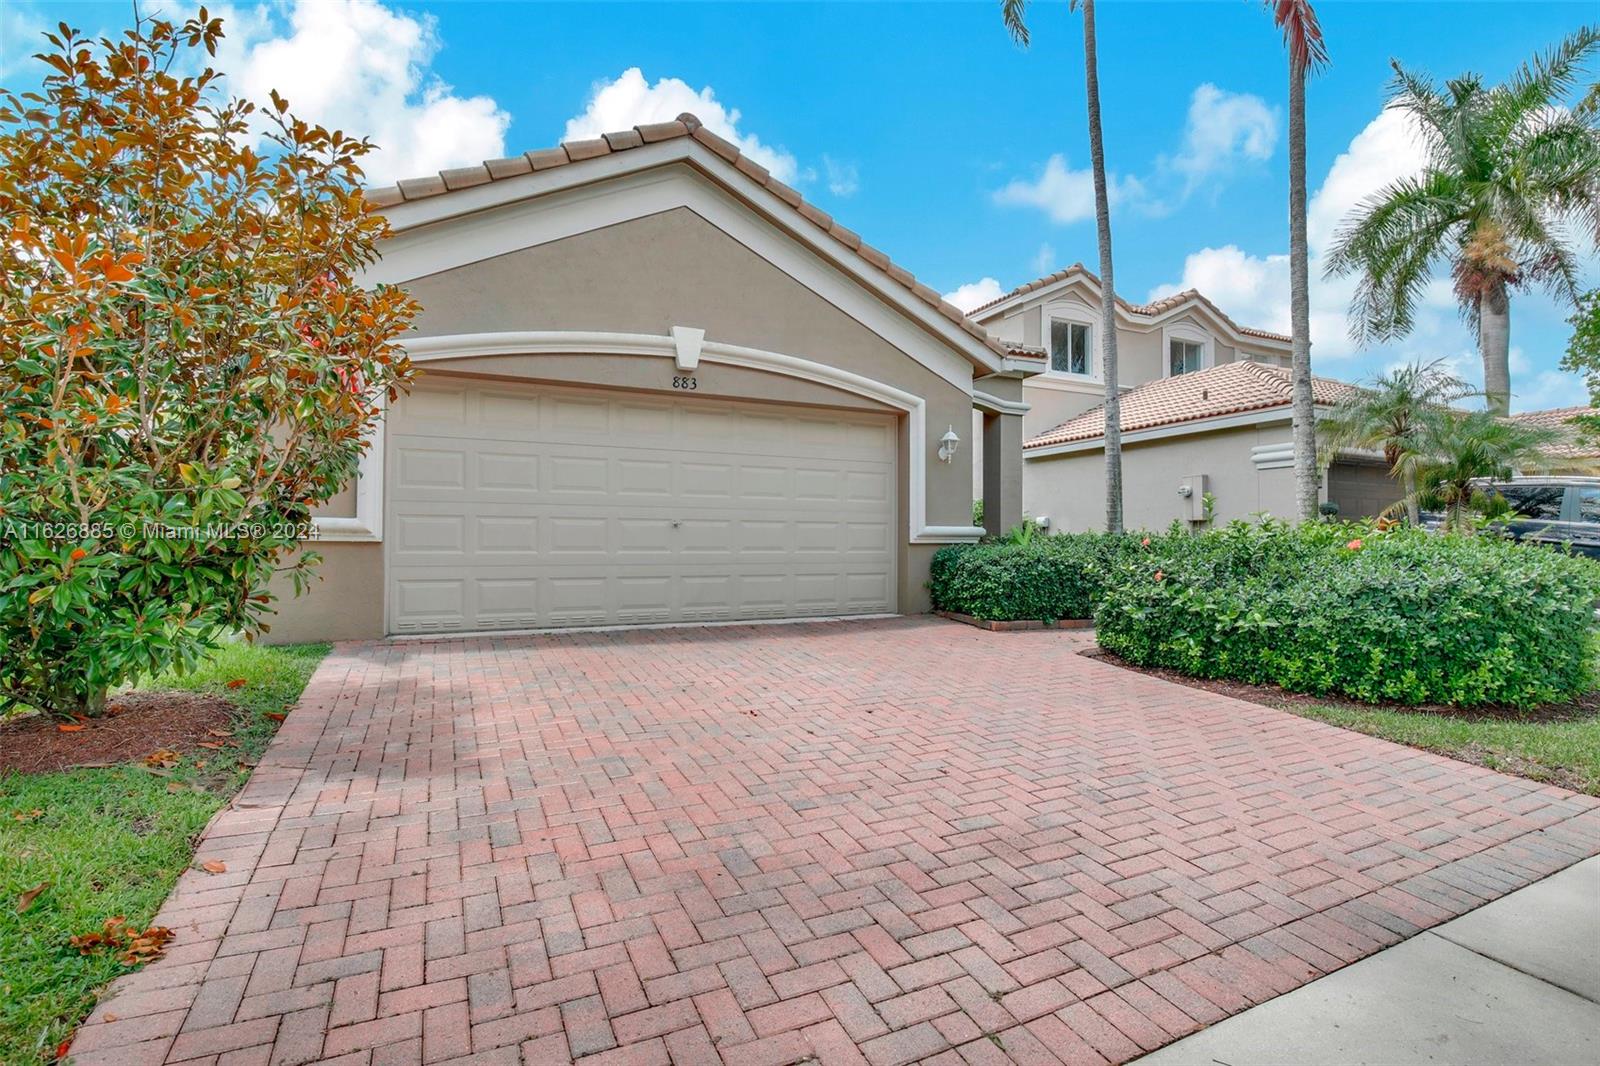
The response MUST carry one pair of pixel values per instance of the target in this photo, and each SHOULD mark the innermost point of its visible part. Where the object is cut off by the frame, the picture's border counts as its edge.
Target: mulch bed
(135, 725)
(1585, 706)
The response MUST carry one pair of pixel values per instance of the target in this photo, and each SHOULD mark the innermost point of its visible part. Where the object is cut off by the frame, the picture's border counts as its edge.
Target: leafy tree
(1583, 355)
(1397, 414)
(1302, 36)
(188, 363)
(1509, 170)
(1014, 14)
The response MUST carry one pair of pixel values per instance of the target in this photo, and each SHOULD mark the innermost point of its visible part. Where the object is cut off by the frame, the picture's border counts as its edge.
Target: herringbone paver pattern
(883, 841)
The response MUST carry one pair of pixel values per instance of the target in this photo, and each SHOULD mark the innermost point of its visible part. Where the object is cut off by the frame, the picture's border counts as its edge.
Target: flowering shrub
(188, 360)
(1349, 610)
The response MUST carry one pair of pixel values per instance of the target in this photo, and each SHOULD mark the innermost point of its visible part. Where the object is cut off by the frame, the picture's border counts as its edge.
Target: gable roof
(1232, 388)
(688, 127)
(1153, 309)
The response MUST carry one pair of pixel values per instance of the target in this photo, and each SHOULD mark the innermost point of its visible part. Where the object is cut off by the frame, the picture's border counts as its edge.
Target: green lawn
(1564, 752)
(111, 842)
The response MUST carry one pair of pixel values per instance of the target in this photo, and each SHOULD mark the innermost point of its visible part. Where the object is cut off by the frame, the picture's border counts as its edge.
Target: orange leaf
(238, 682)
(213, 745)
(275, 716)
(25, 900)
(214, 866)
(63, 727)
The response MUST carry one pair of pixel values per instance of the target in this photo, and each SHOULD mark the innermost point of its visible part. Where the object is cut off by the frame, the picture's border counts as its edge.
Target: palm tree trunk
(1305, 429)
(1108, 305)
(1494, 341)
(1413, 506)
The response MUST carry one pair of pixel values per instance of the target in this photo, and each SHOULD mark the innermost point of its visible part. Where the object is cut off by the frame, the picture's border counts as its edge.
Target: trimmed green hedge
(1049, 578)
(1339, 609)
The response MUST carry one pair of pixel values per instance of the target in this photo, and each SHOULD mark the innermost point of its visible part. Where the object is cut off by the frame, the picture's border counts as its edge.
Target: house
(1206, 424)
(658, 386)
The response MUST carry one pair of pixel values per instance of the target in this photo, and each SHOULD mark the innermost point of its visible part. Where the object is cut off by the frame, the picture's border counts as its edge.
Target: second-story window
(1186, 357)
(1069, 347)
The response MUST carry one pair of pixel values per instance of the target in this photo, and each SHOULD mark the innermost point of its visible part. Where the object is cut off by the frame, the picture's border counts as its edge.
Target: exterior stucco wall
(646, 276)
(1070, 488)
(344, 602)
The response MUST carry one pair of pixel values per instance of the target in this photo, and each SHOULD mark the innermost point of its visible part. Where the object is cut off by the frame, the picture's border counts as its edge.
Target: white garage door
(513, 506)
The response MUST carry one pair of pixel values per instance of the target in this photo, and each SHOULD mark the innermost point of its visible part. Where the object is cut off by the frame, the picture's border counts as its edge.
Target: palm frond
(1014, 13)
(1302, 33)
(1393, 239)
(1547, 79)
(1418, 97)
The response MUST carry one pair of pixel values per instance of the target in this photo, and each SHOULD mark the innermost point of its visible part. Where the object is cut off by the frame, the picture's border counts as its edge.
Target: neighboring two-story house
(1206, 428)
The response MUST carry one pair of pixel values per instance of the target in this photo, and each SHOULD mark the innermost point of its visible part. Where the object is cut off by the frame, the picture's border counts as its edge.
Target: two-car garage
(514, 506)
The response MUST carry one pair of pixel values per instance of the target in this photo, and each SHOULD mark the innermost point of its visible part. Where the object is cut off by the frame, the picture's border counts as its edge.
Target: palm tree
(1014, 14)
(1303, 38)
(1394, 415)
(1463, 448)
(1509, 170)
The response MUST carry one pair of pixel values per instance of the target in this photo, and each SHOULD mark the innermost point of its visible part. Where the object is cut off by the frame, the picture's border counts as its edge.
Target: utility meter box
(1193, 491)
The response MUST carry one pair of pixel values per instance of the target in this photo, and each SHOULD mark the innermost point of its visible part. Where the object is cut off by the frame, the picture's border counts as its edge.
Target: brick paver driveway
(901, 840)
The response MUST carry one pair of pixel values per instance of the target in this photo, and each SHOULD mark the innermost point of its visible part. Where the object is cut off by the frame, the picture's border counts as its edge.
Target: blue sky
(924, 128)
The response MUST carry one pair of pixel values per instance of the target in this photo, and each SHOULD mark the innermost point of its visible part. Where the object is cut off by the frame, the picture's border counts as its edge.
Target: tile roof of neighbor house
(1232, 388)
(1560, 418)
(1146, 310)
(686, 125)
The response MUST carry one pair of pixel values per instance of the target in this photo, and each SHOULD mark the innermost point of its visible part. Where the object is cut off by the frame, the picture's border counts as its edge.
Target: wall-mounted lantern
(948, 444)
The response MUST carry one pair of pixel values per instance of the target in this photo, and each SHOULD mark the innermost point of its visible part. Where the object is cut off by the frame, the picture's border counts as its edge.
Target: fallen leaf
(211, 744)
(199, 764)
(238, 682)
(116, 935)
(25, 900)
(214, 866)
(219, 732)
(28, 816)
(61, 1048)
(63, 727)
(275, 716)
(162, 757)
(111, 1017)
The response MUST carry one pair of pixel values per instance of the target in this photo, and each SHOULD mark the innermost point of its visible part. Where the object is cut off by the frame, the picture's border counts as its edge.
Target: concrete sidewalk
(1515, 981)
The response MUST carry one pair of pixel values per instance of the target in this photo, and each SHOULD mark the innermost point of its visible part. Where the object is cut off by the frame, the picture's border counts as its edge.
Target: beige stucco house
(657, 386)
(1205, 411)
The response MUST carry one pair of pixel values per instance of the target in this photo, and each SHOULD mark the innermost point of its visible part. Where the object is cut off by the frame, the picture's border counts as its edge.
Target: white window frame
(1189, 333)
(1078, 316)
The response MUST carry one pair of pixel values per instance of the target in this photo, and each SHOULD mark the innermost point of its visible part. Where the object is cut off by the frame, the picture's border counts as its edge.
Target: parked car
(1548, 510)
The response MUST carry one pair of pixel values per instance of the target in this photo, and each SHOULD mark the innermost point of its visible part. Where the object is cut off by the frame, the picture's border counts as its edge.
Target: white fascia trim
(473, 345)
(983, 401)
(1144, 322)
(1177, 429)
(419, 247)
(367, 525)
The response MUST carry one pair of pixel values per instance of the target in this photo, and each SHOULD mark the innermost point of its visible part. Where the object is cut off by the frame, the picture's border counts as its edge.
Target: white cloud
(1044, 260)
(630, 100)
(361, 67)
(975, 293)
(843, 178)
(19, 41)
(1066, 195)
(1223, 129)
(1539, 390)
(1254, 289)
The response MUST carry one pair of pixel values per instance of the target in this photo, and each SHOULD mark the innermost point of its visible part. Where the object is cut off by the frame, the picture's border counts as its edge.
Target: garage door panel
(520, 507)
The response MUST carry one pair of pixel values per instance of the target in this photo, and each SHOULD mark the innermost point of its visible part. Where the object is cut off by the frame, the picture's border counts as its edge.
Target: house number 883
(685, 381)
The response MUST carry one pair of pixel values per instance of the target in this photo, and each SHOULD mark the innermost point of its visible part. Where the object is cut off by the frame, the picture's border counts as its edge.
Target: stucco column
(1002, 471)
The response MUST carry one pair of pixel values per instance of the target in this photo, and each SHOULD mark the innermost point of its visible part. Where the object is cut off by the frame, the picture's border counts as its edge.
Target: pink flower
(1354, 545)
(1145, 543)
(1160, 576)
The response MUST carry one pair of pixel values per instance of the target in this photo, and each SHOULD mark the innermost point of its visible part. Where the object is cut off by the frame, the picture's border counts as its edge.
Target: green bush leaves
(1399, 616)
